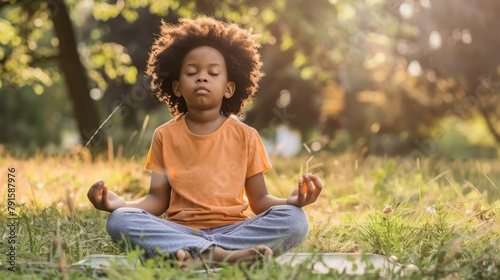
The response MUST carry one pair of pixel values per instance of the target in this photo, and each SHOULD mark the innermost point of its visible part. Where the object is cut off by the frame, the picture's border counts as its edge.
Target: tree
(362, 66)
(74, 72)
(459, 56)
(35, 33)
(25, 48)
(304, 49)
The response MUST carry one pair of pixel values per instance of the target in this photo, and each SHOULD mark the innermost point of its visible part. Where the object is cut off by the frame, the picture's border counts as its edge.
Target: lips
(201, 90)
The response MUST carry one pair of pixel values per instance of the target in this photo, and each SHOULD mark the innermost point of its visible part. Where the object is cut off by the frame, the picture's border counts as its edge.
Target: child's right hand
(104, 199)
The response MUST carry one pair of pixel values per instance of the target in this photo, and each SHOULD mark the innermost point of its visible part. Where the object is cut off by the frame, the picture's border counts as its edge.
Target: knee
(119, 220)
(296, 220)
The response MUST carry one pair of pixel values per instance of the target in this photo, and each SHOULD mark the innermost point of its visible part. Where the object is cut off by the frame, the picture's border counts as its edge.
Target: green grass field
(440, 215)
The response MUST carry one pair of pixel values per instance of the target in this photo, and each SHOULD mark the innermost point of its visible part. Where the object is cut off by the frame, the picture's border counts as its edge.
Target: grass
(440, 215)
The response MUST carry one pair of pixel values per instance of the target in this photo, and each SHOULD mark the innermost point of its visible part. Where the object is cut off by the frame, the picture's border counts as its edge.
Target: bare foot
(216, 256)
(250, 255)
(185, 260)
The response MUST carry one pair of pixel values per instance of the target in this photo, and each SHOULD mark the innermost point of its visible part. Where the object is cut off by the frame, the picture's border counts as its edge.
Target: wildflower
(476, 206)
(430, 209)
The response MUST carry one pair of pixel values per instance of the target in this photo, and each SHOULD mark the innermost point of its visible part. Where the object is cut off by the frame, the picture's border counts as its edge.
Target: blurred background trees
(380, 76)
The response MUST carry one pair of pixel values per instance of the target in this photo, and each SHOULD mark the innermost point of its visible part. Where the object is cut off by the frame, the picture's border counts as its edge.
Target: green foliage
(429, 239)
(382, 177)
(353, 56)
(109, 61)
(396, 233)
(32, 120)
(458, 58)
(25, 46)
(103, 10)
(41, 231)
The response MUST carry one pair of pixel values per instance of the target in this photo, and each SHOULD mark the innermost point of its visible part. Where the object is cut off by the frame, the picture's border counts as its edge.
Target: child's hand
(307, 192)
(104, 199)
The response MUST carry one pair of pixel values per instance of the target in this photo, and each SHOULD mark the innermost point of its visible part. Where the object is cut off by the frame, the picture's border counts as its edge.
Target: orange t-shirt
(207, 173)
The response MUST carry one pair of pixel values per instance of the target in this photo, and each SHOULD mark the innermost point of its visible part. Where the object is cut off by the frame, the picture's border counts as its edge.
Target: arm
(155, 202)
(258, 197)
(309, 188)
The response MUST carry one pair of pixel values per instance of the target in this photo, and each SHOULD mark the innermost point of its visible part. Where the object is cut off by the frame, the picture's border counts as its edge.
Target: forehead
(204, 55)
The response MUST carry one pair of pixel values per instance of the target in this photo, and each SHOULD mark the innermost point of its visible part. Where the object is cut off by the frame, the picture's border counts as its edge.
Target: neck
(203, 123)
(203, 117)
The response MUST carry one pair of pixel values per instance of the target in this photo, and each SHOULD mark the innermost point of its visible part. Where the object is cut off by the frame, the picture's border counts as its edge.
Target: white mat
(319, 263)
(101, 261)
(342, 262)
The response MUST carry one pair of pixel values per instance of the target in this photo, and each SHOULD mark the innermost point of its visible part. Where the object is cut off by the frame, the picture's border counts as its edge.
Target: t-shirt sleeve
(258, 161)
(154, 161)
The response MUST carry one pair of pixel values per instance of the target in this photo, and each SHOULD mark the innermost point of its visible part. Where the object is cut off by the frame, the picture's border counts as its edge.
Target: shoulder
(241, 130)
(171, 124)
(166, 128)
(237, 125)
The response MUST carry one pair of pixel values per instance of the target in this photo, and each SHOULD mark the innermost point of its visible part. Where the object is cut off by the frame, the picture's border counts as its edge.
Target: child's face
(203, 79)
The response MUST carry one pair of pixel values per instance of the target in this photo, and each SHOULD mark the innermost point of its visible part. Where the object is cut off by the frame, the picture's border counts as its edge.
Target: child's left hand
(307, 192)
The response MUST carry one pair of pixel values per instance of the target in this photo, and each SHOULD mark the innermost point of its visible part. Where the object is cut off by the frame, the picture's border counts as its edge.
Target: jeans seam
(245, 223)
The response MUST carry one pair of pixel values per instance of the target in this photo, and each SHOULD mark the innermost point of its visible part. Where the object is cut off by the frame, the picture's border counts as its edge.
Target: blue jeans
(281, 228)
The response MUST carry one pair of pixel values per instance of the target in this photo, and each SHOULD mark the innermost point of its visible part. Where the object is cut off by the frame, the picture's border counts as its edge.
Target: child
(207, 167)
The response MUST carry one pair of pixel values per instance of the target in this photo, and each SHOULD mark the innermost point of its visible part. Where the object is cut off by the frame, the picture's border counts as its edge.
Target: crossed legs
(273, 232)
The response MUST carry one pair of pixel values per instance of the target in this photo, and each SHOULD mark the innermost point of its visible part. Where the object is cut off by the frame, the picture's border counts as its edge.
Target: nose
(201, 80)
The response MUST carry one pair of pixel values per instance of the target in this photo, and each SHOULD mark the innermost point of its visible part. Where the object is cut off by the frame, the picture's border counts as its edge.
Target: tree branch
(491, 126)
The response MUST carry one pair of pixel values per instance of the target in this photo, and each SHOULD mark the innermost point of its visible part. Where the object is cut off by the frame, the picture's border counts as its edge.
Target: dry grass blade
(100, 127)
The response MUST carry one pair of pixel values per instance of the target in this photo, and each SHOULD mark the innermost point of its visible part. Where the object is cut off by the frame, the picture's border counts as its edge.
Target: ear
(229, 90)
(176, 88)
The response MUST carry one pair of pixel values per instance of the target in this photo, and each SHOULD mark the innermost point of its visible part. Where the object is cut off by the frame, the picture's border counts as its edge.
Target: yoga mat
(348, 263)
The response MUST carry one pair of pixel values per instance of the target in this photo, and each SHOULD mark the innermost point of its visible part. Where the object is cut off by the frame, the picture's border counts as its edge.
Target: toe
(181, 257)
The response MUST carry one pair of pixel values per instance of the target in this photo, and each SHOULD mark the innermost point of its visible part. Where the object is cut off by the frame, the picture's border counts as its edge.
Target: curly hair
(238, 46)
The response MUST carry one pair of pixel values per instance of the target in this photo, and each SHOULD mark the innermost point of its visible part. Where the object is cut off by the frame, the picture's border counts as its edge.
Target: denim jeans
(281, 228)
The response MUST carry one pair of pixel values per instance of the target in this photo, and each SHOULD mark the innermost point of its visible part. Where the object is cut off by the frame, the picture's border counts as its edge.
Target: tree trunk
(491, 126)
(74, 73)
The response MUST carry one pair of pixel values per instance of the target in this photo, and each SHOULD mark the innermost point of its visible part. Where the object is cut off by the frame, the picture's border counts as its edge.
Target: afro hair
(238, 46)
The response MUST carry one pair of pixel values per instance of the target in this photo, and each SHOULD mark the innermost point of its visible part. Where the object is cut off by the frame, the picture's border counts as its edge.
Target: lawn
(441, 216)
